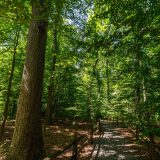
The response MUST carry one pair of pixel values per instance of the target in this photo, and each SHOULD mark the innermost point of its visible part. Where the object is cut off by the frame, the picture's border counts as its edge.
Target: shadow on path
(116, 144)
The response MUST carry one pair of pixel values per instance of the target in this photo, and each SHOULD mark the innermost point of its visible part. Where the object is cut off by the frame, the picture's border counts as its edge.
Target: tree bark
(138, 80)
(27, 141)
(138, 83)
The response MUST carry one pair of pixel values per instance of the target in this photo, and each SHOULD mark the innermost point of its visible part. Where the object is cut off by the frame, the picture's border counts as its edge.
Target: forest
(71, 67)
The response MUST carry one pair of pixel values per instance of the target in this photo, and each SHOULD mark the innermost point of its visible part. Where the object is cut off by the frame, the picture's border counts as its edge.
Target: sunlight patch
(120, 157)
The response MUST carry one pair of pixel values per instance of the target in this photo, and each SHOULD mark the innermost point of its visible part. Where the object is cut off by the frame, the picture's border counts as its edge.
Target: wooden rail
(146, 140)
(78, 143)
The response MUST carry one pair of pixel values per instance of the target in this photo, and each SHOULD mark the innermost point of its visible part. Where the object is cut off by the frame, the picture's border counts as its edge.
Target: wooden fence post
(152, 147)
(75, 149)
(91, 136)
(99, 126)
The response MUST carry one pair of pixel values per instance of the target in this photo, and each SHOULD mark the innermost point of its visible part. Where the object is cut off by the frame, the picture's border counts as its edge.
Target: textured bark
(6, 107)
(27, 141)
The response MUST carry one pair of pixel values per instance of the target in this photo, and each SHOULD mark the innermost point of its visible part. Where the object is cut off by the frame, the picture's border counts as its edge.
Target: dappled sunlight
(130, 145)
(118, 137)
(107, 153)
(120, 157)
(116, 144)
(131, 151)
(56, 137)
(57, 132)
(25, 79)
(66, 156)
(6, 141)
(82, 132)
(86, 151)
(60, 135)
(67, 130)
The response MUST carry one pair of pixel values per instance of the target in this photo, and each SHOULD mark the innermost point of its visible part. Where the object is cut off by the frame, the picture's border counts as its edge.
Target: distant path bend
(116, 143)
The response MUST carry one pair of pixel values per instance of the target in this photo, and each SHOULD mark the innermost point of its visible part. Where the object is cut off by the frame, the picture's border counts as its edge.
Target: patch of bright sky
(81, 12)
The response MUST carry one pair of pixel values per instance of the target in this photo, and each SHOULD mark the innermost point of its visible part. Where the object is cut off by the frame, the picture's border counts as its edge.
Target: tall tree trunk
(138, 83)
(6, 108)
(27, 141)
(108, 84)
(88, 106)
(96, 75)
(138, 89)
(51, 104)
(51, 87)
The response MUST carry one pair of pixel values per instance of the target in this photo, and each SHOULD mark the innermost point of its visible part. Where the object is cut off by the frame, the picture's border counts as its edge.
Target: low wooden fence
(78, 143)
(150, 142)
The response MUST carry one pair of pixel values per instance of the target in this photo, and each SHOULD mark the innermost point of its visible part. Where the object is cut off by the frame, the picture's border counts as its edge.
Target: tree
(27, 141)
(102, 59)
(6, 108)
(51, 105)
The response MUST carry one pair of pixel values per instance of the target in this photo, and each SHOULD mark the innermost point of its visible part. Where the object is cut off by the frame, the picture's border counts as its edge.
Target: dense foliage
(102, 59)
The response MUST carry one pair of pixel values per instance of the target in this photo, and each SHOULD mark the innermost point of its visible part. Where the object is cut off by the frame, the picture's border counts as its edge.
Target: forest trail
(116, 143)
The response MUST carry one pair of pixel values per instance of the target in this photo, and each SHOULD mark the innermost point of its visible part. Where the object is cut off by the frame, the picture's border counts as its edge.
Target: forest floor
(56, 137)
(114, 143)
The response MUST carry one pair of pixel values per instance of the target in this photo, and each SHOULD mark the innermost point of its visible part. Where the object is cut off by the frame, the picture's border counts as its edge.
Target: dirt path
(116, 144)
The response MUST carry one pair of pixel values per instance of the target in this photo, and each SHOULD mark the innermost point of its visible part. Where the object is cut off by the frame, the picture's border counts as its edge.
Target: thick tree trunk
(6, 108)
(27, 141)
